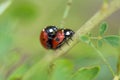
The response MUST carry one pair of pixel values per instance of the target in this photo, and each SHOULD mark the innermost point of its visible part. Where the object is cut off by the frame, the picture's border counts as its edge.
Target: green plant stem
(66, 12)
(89, 25)
(104, 59)
(116, 78)
(94, 38)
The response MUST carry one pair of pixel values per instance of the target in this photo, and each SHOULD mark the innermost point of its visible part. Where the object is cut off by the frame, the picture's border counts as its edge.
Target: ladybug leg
(71, 39)
(67, 42)
(58, 47)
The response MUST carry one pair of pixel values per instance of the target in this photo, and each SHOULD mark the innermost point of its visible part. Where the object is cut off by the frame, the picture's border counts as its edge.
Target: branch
(67, 10)
(102, 14)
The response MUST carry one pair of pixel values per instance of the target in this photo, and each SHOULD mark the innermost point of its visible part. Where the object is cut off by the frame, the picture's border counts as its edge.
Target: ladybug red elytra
(58, 40)
(46, 35)
(52, 38)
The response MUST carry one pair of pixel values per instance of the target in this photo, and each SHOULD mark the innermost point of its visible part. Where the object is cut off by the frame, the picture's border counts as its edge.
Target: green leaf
(24, 10)
(1, 75)
(5, 36)
(100, 43)
(5, 44)
(85, 39)
(39, 71)
(86, 73)
(113, 40)
(62, 70)
(103, 28)
(18, 73)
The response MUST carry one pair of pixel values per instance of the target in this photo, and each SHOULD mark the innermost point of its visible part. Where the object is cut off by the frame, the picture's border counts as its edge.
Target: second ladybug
(62, 36)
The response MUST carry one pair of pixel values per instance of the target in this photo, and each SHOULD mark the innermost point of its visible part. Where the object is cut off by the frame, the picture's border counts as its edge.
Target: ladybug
(46, 36)
(62, 36)
(52, 38)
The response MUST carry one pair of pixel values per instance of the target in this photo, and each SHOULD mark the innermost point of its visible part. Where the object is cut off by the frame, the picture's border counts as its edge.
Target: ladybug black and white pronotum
(52, 38)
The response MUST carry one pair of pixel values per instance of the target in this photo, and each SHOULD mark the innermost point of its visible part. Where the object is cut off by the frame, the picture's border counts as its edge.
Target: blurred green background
(22, 21)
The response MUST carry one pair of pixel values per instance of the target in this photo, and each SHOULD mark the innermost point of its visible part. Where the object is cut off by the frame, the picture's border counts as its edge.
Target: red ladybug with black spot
(52, 38)
(62, 36)
(46, 36)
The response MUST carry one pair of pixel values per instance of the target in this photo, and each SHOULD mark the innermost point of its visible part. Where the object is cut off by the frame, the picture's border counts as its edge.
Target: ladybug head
(68, 33)
(51, 31)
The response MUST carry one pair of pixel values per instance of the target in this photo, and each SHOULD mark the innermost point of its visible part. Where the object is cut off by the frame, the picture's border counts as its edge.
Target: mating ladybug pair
(52, 38)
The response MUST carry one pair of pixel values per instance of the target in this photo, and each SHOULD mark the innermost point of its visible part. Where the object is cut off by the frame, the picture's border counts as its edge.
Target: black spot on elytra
(57, 39)
(43, 39)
